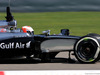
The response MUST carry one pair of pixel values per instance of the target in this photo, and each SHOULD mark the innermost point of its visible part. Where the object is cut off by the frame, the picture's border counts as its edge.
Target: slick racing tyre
(87, 49)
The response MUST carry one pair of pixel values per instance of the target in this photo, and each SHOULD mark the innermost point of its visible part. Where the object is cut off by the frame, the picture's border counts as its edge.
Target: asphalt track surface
(60, 63)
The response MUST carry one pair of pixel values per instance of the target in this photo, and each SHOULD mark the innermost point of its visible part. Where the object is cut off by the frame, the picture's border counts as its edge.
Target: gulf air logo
(17, 45)
(28, 44)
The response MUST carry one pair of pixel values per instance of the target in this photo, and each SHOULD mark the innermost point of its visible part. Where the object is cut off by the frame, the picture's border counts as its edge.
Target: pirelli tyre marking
(96, 53)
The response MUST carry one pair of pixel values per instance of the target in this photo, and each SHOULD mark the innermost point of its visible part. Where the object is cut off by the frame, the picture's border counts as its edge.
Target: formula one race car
(22, 42)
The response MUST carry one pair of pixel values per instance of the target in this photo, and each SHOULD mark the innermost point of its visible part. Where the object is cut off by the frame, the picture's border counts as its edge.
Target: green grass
(79, 23)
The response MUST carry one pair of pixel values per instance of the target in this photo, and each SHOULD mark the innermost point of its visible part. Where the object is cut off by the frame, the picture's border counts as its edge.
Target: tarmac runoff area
(60, 63)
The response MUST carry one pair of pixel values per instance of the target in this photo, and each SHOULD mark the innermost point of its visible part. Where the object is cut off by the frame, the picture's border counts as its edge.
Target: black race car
(15, 42)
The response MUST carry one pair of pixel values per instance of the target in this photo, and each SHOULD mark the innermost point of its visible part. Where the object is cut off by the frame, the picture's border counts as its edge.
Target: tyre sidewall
(78, 43)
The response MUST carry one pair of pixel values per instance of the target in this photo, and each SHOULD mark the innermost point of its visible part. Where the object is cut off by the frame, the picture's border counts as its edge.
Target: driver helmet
(28, 29)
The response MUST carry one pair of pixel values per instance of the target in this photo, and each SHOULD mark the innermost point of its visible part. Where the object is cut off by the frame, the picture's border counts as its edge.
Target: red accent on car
(2, 73)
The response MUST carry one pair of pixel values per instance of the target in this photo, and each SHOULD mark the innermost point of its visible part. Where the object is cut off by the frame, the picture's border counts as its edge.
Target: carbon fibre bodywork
(56, 43)
(19, 44)
(15, 44)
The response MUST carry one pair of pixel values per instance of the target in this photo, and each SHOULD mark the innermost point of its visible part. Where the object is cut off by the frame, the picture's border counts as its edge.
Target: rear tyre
(87, 50)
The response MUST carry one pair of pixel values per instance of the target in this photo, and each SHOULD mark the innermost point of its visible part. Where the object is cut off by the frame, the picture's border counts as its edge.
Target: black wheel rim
(86, 50)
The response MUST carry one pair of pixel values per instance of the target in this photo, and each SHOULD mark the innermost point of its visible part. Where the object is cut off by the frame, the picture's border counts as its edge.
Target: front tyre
(87, 50)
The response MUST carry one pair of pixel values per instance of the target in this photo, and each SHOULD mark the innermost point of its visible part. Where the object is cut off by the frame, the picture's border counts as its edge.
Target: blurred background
(80, 16)
(51, 5)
